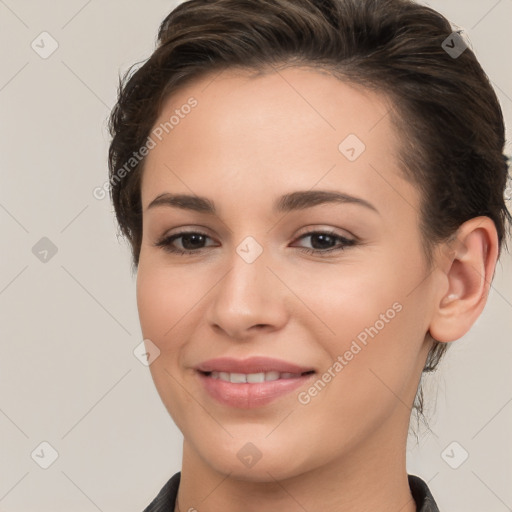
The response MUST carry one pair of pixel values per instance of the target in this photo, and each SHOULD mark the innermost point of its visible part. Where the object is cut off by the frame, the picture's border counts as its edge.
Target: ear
(467, 265)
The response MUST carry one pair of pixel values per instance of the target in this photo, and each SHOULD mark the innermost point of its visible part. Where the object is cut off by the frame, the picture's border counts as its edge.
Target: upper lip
(257, 364)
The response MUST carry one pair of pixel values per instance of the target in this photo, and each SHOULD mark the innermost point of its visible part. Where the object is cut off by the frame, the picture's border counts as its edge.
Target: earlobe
(466, 277)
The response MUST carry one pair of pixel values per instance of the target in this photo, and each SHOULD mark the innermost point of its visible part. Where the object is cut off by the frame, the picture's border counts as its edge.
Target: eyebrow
(298, 200)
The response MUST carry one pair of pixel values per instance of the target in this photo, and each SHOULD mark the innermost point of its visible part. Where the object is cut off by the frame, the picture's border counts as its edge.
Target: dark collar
(166, 498)
(421, 493)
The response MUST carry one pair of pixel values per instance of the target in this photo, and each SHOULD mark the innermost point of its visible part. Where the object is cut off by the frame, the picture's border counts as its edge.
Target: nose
(248, 300)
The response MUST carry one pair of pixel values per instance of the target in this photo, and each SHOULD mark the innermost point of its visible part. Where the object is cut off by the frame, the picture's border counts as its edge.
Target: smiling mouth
(254, 378)
(251, 390)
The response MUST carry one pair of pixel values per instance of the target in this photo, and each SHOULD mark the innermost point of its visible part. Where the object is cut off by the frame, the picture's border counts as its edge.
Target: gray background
(69, 325)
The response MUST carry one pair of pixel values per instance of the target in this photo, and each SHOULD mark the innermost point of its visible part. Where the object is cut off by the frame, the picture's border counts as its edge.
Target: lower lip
(250, 395)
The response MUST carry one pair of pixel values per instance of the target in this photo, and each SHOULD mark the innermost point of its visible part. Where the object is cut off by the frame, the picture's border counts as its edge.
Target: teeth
(239, 378)
(272, 376)
(255, 377)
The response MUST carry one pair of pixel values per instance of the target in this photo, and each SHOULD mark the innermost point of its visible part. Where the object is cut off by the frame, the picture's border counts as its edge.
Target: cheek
(164, 302)
(372, 315)
(345, 299)
(379, 370)
(164, 297)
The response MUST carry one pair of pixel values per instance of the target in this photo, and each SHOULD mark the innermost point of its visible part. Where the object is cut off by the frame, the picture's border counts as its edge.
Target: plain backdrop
(68, 376)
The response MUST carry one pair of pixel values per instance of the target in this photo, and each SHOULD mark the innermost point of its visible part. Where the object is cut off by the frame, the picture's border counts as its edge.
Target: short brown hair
(450, 119)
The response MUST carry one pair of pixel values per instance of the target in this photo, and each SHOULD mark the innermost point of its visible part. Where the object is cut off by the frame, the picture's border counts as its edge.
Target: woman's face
(312, 257)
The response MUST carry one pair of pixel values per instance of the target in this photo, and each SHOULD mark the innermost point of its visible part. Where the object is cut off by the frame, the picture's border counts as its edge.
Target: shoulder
(166, 498)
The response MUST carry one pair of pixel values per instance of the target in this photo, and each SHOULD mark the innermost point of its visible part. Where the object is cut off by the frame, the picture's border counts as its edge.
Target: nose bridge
(247, 295)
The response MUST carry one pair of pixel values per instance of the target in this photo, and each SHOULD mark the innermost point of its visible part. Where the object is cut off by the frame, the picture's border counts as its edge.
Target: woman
(313, 193)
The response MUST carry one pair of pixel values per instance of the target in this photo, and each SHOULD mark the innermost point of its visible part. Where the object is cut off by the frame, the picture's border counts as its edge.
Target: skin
(249, 141)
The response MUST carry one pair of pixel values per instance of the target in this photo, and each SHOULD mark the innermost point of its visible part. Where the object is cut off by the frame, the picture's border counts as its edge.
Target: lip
(250, 395)
(255, 364)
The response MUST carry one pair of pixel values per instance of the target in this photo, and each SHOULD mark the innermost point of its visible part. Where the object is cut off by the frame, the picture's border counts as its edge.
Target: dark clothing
(421, 493)
(166, 498)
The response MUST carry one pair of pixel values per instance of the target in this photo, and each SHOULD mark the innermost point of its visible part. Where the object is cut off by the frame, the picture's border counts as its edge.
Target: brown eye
(325, 242)
(190, 241)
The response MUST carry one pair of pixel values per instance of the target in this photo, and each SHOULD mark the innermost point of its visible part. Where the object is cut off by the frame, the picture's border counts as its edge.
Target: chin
(263, 471)
(258, 461)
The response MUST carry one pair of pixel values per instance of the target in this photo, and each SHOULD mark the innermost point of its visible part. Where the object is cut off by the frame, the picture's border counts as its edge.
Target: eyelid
(192, 228)
(316, 228)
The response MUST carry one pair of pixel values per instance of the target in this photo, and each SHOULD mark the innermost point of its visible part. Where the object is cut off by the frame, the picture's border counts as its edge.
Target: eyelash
(166, 243)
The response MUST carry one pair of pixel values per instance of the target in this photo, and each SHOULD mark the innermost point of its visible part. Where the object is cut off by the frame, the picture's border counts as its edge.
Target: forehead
(290, 126)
